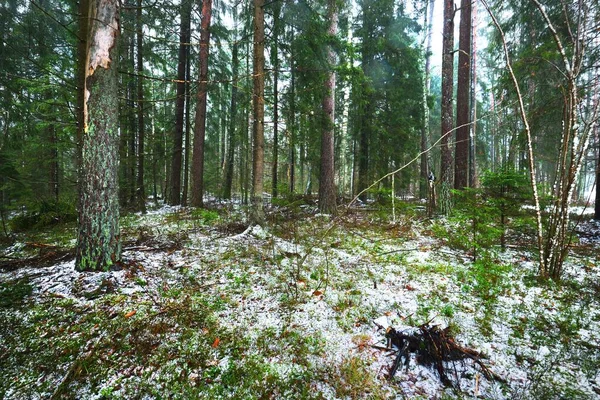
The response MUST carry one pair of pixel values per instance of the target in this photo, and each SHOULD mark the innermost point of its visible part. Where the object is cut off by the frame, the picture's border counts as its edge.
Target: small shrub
(355, 380)
(204, 216)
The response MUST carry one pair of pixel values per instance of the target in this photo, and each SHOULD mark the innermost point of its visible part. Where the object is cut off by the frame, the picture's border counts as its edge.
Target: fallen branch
(433, 347)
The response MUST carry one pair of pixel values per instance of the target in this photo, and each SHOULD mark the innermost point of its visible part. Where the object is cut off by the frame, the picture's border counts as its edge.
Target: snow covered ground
(295, 306)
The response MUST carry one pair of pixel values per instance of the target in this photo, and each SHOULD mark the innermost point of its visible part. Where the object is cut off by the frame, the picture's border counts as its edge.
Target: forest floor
(206, 306)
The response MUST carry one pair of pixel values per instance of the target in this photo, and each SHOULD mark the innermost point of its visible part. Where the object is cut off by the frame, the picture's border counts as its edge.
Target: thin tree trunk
(229, 164)
(98, 244)
(258, 145)
(447, 108)
(83, 31)
(461, 161)
(275, 64)
(184, 42)
(187, 139)
(327, 193)
(292, 118)
(473, 131)
(424, 179)
(141, 191)
(54, 166)
(200, 121)
(597, 200)
(131, 144)
(532, 170)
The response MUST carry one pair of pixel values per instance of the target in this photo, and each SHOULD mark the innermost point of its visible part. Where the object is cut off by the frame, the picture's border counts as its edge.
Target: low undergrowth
(208, 307)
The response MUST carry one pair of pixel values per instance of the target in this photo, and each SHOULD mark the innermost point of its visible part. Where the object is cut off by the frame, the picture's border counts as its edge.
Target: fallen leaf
(216, 343)
(317, 293)
(130, 314)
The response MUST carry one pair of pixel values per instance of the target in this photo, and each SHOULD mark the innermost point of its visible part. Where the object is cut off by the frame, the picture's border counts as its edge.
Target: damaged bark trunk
(98, 242)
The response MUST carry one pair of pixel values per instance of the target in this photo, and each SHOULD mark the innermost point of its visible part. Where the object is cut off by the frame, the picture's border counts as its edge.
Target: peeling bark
(98, 243)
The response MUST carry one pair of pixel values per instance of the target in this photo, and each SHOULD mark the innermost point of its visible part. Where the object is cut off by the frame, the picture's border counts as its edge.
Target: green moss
(14, 293)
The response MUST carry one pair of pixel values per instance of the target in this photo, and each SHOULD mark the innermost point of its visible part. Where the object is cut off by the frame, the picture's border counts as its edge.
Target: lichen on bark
(98, 242)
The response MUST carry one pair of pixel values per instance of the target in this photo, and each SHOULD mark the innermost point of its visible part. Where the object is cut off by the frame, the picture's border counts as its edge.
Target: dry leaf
(317, 293)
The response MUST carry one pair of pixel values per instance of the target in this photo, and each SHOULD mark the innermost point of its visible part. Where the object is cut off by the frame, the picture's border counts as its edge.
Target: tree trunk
(424, 179)
(187, 140)
(141, 191)
(82, 47)
(447, 109)
(461, 160)
(258, 145)
(131, 146)
(54, 167)
(473, 131)
(184, 42)
(292, 121)
(597, 203)
(327, 193)
(200, 121)
(98, 244)
(229, 163)
(275, 64)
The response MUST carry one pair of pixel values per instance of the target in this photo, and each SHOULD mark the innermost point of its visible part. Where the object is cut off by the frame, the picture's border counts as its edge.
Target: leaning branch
(523, 115)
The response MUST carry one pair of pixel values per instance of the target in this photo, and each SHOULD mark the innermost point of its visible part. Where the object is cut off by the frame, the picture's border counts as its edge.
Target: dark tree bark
(327, 192)
(141, 190)
(184, 42)
(98, 244)
(200, 121)
(447, 109)
(258, 100)
(461, 161)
